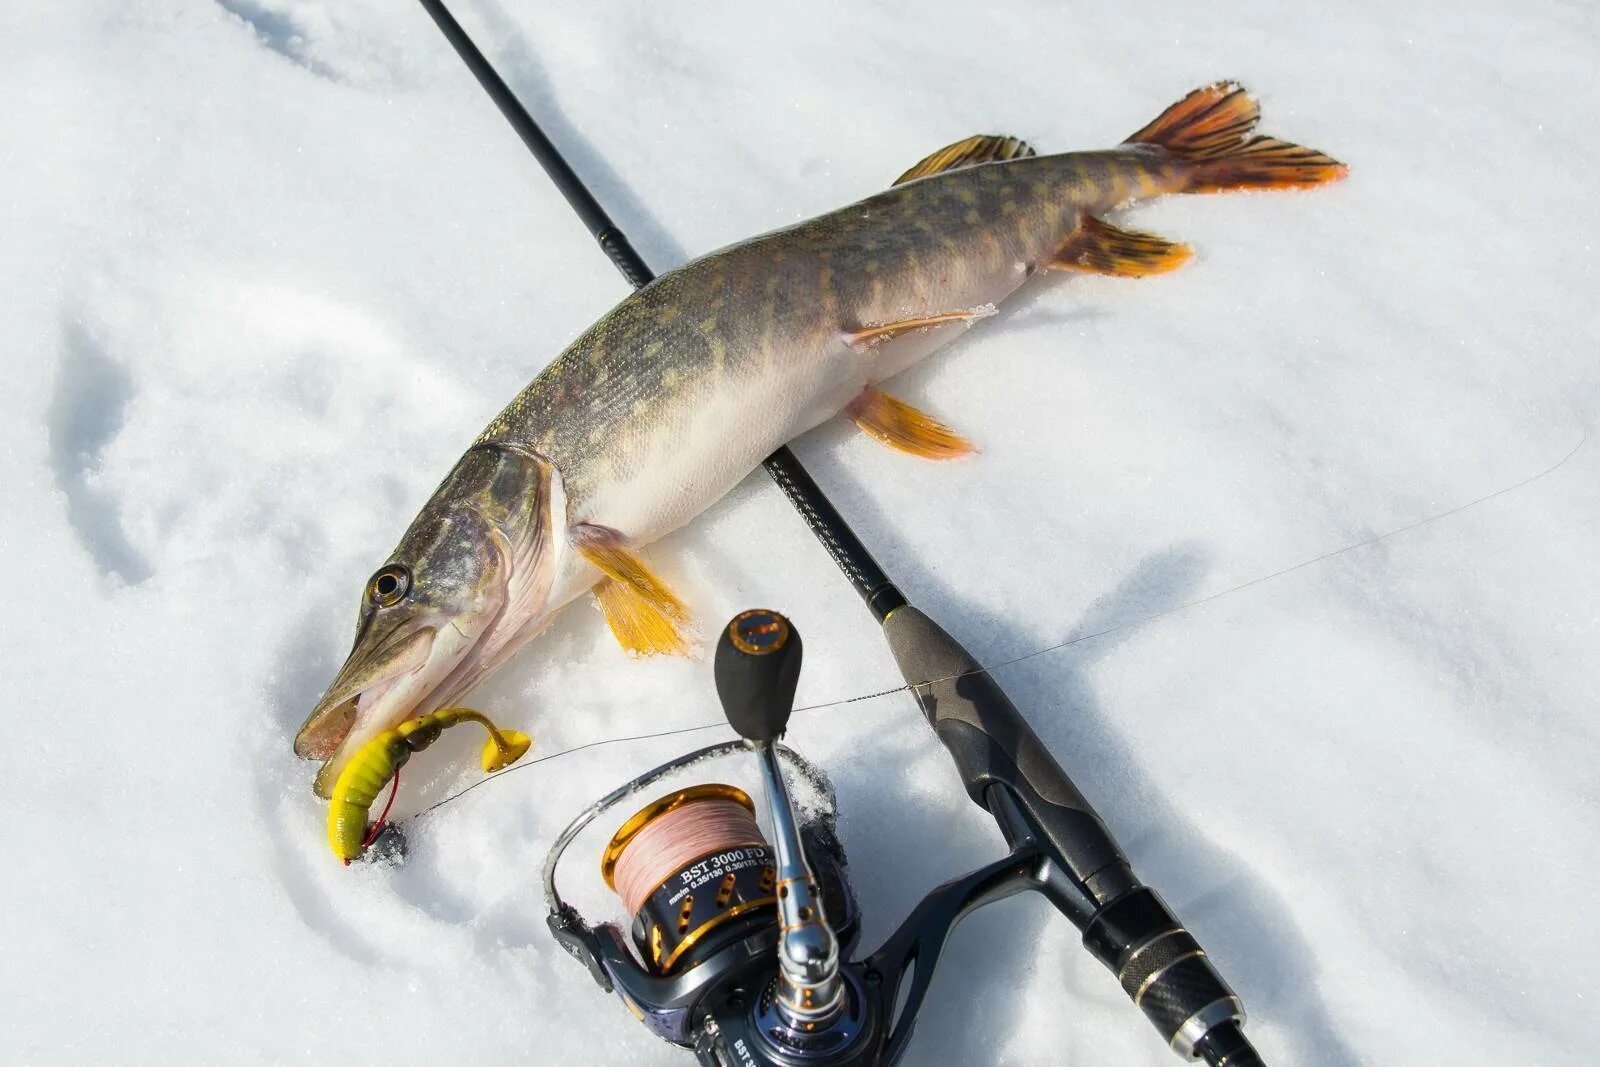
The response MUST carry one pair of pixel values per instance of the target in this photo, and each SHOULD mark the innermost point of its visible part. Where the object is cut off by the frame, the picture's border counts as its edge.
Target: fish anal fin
(969, 152)
(1098, 247)
(904, 428)
(871, 336)
(643, 612)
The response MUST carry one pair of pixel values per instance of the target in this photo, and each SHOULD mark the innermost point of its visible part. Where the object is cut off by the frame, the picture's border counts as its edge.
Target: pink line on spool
(675, 839)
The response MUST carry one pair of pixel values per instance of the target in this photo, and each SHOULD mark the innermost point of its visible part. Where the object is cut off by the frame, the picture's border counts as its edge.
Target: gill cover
(473, 568)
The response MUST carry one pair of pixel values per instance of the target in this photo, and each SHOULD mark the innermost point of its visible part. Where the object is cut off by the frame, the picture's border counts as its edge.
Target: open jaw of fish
(379, 689)
(677, 393)
(474, 578)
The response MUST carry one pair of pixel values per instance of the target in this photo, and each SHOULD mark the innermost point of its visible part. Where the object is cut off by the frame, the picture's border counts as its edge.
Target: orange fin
(1098, 247)
(870, 336)
(980, 148)
(644, 614)
(1212, 129)
(636, 623)
(902, 427)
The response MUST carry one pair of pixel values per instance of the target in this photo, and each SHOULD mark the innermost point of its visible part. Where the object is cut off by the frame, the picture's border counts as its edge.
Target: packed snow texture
(270, 264)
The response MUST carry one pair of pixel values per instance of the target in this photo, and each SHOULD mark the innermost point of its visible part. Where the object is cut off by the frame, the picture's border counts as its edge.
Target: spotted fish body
(682, 389)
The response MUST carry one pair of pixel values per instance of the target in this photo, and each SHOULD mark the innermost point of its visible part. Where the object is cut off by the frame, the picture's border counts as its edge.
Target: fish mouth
(421, 671)
(367, 671)
(444, 643)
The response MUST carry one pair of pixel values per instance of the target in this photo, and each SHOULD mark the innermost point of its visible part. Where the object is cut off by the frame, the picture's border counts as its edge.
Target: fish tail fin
(1212, 130)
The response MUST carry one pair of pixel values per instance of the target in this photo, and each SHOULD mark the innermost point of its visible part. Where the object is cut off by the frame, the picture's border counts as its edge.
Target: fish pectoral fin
(969, 152)
(902, 427)
(1098, 247)
(636, 623)
(643, 612)
(872, 336)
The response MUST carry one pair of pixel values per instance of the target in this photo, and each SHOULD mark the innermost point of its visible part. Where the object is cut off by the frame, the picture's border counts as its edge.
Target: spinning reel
(744, 950)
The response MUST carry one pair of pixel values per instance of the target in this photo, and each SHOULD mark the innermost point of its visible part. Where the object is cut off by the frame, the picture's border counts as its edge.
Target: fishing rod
(771, 987)
(868, 578)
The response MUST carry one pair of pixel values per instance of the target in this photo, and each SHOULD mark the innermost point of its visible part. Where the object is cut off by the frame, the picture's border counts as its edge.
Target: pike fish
(678, 392)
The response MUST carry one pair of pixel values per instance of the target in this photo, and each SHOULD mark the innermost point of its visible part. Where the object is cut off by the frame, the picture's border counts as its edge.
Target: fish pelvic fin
(1097, 247)
(868, 337)
(644, 614)
(968, 152)
(1213, 131)
(904, 428)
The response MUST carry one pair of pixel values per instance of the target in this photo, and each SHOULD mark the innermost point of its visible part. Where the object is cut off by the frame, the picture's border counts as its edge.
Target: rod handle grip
(992, 744)
(1169, 978)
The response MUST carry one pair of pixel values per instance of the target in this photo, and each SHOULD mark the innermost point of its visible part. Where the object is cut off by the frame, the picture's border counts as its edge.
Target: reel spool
(672, 973)
(694, 873)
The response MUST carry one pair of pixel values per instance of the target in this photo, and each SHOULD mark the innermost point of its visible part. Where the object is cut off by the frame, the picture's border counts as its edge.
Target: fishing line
(1134, 624)
(686, 833)
(567, 752)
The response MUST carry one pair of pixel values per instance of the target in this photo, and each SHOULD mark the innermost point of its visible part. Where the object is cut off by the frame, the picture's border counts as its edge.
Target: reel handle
(757, 669)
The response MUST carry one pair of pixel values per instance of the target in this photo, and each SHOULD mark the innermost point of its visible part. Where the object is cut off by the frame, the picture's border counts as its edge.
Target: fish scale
(947, 242)
(678, 392)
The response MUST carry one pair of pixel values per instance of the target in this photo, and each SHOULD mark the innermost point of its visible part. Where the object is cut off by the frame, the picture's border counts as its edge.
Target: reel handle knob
(757, 668)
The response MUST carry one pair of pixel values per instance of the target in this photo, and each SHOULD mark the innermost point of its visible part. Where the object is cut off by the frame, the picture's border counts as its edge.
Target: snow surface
(270, 264)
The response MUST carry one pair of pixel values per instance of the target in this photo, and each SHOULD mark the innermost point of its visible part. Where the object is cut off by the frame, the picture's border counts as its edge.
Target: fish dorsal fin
(979, 148)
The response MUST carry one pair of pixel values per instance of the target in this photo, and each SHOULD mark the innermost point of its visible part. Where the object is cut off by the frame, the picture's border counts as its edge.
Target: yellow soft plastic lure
(370, 769)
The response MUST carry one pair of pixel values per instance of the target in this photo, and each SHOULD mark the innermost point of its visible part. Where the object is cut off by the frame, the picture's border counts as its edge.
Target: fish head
(472, 572)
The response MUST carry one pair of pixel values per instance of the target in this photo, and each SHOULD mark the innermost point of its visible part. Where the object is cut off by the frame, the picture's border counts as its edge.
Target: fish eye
(389, 585)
